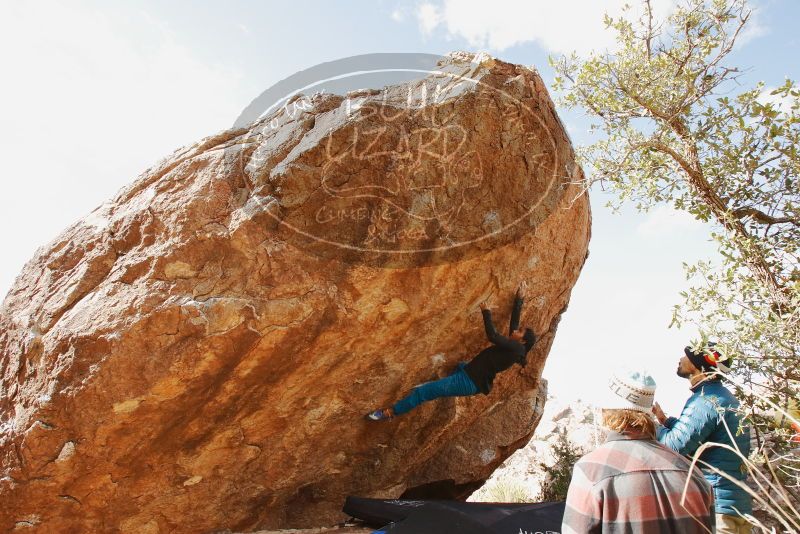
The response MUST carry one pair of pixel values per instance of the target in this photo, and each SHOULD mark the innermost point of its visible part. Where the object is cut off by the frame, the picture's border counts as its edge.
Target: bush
(559, 474)
(504, 491)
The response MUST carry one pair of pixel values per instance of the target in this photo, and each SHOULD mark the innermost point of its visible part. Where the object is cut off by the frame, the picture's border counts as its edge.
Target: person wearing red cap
(711, 415)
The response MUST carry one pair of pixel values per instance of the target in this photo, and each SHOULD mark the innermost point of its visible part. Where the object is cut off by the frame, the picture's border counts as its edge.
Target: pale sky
(93, 93)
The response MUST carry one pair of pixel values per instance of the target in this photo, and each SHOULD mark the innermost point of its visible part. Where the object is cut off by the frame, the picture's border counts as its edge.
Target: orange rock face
(198, 352)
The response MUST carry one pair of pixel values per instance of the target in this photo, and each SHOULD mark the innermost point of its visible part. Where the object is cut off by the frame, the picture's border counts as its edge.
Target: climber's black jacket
(502, 354)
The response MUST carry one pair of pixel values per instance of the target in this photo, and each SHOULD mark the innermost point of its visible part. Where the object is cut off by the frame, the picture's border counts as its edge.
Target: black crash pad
(441, 517)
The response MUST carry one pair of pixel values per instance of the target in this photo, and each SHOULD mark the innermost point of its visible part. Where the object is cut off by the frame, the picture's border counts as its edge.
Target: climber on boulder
(477, 375)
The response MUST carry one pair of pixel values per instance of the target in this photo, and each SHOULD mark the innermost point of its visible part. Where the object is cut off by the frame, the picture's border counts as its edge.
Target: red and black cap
(709, 359)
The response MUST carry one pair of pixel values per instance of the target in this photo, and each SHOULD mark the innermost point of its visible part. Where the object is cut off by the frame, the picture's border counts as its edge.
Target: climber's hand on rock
(522, 289)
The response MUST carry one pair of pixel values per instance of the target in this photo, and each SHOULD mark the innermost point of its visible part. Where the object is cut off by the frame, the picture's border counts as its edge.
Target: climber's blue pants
(458, 384)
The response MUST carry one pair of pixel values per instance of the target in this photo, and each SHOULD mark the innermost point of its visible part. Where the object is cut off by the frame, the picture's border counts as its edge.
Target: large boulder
(198, 352)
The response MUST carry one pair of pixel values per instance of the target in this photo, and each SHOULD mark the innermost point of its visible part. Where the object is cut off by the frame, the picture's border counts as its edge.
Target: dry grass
(772, 474)
(503, 491)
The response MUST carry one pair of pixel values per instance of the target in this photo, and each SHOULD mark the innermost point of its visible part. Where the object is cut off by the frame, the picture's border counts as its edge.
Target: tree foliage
(558, 475)
(677, 127)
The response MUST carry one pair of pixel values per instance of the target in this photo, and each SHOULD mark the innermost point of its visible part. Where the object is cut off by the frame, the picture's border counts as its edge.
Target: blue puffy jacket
(701, 421)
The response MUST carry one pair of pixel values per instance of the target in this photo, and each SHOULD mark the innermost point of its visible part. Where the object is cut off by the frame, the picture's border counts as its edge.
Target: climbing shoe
(379, 415)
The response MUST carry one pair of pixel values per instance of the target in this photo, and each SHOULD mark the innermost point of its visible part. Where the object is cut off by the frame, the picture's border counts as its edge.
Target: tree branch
(761, 217)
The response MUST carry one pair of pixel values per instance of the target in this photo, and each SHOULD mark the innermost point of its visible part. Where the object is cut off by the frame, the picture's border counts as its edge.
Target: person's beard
(682, 374)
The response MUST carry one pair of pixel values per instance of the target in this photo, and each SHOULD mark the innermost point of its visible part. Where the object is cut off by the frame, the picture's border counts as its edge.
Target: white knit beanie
(630, 390)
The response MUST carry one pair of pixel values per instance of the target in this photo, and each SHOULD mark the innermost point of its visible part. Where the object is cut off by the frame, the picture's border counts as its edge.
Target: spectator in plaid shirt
(631, 483)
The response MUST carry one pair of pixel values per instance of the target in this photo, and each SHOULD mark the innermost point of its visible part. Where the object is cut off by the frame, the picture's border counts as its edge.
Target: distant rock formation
(198, 352)
(521, 475)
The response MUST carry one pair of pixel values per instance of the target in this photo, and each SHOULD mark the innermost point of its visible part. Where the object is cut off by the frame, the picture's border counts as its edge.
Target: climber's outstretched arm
(516, 308)
(488, 325)
(492, 334)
